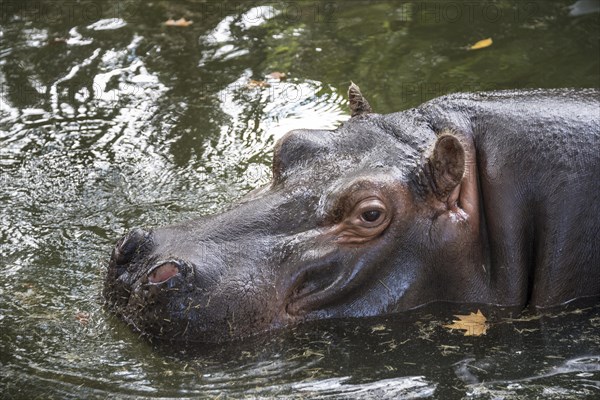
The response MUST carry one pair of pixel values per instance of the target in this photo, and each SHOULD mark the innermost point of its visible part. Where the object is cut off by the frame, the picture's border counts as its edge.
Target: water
(109, 120)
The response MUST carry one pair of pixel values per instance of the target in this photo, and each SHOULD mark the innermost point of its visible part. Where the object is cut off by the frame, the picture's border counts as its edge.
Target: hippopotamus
(486, 198)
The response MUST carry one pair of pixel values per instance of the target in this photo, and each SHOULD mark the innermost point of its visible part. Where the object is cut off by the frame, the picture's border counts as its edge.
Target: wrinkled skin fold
(485, 198)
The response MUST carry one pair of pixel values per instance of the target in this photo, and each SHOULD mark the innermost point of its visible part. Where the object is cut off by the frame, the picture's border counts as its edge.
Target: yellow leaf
(473, 324)
(482, 44)
(180, 22)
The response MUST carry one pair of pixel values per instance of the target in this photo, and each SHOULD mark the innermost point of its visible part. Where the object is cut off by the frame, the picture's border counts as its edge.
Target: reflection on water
(415, 387)
(110, 120)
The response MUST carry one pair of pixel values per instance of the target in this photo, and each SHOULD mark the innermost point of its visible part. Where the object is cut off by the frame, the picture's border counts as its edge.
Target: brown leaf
(57, 40)
(277, 75)
(256, 84)
(82, 317)
(473, 324)
(182, 22)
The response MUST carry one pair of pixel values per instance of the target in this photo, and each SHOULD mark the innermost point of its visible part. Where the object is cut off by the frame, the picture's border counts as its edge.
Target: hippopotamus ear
(446, 165)
(358, 104)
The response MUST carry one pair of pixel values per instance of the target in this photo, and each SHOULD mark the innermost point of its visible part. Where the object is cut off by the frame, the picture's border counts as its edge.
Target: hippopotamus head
(359, 221)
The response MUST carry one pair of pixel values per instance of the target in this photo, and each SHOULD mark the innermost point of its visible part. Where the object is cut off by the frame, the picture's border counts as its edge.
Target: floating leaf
(277, 75)
(256, 84)
(82, 317)
(473, 324)
(57, 40)
(180, 22)
(482, 44)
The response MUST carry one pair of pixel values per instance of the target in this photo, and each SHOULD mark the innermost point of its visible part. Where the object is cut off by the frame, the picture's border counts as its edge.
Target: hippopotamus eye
(367, 220)
(371, 215)
(370, 212)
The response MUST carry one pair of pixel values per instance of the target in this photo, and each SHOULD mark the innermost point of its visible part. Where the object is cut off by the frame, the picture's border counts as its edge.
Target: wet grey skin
(474, 198)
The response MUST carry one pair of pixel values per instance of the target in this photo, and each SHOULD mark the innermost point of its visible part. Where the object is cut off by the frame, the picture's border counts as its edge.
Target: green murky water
(109, 119)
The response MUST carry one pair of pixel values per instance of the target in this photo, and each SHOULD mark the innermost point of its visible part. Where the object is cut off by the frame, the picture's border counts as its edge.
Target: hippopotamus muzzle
(483, 198)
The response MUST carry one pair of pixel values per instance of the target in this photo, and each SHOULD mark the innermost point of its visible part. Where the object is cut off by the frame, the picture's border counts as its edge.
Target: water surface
(109, 120)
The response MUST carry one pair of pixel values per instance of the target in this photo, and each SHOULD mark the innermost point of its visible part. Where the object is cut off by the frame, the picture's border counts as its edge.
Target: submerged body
(486, 198)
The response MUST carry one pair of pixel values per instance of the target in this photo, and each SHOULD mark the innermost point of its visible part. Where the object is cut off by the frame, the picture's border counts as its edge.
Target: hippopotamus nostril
(163, 272)
(127, 247)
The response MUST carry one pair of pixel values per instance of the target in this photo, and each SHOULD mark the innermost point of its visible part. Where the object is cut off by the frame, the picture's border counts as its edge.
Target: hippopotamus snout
(143, 280)
(172, 271)
(128, 263)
